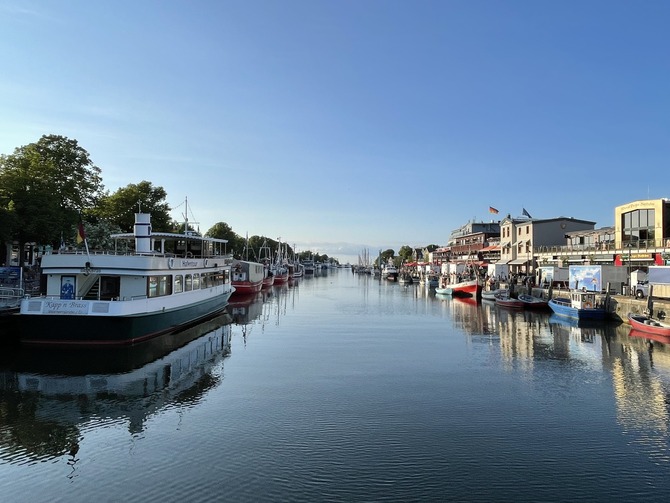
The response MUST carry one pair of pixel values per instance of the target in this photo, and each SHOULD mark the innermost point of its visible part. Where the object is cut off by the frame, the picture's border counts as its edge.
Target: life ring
(587, 305)
(170, 262)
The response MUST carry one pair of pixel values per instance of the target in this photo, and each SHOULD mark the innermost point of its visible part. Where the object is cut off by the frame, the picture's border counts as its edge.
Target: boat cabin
(582, 300)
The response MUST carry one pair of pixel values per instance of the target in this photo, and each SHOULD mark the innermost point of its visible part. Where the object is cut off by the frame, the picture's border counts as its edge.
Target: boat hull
(645, 324)
(466, 288)
(77, 330)
(561, 308)
(508, 302)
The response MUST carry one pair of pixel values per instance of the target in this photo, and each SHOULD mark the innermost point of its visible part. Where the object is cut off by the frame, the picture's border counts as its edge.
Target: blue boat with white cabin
(579, 305)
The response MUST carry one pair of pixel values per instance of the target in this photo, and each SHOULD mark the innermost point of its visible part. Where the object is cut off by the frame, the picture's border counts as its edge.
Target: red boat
(505, 300)
(269, 278)
(643, 323)
(247, 277)
(466, 288)
(532, 302)
(280, 274)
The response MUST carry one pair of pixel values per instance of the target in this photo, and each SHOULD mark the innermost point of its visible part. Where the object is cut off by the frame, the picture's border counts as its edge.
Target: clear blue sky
(342, 125)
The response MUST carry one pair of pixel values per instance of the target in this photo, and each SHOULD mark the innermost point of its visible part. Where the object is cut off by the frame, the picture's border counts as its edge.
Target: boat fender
(587, 305)
(206, 262)
(170, 262)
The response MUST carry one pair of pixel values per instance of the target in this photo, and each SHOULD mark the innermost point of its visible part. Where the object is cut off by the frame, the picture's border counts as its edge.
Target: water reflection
(48, 396)
(638, 363)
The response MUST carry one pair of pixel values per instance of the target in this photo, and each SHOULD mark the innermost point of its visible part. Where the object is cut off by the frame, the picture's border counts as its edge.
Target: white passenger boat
(118, 298)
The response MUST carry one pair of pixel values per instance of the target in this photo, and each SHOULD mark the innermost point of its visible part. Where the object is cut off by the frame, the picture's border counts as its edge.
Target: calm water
(342, 388)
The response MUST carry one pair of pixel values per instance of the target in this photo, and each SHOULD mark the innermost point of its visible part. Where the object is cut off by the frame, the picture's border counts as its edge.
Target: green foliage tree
(120, 207)
(222, 230)
(45, 185)
(406, 253)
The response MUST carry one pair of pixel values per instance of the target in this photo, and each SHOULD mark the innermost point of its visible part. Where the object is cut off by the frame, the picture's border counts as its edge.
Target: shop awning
(518, 261)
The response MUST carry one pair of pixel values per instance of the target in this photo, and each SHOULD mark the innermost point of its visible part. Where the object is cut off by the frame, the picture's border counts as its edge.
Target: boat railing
(10, 295)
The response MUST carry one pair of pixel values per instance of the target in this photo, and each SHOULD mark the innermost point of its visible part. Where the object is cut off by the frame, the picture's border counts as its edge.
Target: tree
(222, 230)
(120, 207)
(45, 185)
(406, 253)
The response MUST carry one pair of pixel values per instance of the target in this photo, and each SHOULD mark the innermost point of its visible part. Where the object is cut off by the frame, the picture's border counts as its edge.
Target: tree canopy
(120, 207)
(45, 185)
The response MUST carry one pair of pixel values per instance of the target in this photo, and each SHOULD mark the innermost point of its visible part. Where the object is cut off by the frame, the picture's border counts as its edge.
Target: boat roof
(170, 235)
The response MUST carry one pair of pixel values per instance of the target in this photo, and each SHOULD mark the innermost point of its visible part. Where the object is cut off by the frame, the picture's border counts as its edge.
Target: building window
(637, 229)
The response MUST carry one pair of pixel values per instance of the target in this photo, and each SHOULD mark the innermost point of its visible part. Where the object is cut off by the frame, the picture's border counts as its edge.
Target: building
(522, 238)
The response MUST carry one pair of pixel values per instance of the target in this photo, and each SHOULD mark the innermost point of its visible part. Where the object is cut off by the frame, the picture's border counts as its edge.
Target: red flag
(492, 210)
(81, 235)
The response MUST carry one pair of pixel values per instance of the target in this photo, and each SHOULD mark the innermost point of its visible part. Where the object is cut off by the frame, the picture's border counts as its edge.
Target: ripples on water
(343, 388)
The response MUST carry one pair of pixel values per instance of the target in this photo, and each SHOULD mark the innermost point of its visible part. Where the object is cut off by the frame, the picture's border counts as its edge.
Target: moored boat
(643, 323)
(107, 298)
(390, 272)
(580, 305)
(505, 300)
(491, 294)
(247, 277)
(469, 287)
(532, 302)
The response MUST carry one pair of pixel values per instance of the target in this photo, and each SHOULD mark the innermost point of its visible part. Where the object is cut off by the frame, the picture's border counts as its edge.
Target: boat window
(178, 283)
(188, 283)
(152, 290)
(196, 281)
(164, 285)
(158, 286)
(204, 281)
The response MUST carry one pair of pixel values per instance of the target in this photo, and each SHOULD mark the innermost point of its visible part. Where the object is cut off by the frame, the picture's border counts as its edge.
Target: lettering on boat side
(189, 263)
(65, 307)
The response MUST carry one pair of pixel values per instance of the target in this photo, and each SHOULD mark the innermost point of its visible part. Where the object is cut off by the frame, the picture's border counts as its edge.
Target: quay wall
(619, 306)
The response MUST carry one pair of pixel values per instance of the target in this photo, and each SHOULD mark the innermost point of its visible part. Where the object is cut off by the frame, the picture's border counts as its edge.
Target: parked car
(641, 289)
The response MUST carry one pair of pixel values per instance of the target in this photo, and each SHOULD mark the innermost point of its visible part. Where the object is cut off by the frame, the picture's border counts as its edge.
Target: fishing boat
(505, 300)
(124, 297)
(580, 304)
(643, 323)
(532, 302)
(247, 277)
(466, 288)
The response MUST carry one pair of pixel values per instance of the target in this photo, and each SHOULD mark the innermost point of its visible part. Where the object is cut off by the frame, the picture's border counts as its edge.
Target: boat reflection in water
(638, 364)
(49, 396)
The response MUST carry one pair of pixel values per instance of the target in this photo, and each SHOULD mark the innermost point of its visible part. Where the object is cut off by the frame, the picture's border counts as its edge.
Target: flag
(493, 210)
(525, 213)
(62, 242)
(81, 235)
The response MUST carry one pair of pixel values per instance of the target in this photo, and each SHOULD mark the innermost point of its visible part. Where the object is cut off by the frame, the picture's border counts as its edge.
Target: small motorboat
(505, 300)
(643, 323)
(532, 302)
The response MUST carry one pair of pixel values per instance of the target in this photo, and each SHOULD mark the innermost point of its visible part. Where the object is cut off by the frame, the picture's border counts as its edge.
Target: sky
(348, 125)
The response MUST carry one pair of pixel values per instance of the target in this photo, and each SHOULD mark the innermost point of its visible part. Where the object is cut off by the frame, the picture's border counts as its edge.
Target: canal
(344, 388)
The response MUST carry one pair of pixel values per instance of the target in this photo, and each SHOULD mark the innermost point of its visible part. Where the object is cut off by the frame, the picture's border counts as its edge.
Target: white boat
(390, 272)
(117, 298)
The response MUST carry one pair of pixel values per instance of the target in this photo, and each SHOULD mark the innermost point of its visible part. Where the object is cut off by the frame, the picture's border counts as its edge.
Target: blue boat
(580, 305)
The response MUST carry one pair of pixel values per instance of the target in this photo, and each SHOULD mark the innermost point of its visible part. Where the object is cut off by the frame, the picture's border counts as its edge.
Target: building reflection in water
(639, 365)
(48, 396)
